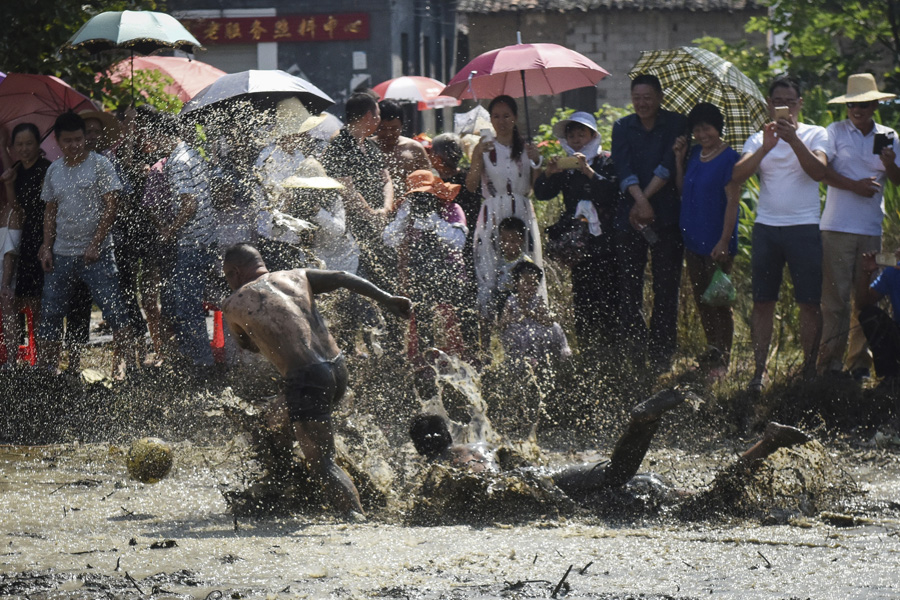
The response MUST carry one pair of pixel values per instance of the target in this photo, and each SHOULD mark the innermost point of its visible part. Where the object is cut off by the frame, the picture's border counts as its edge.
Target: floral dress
(505, 185)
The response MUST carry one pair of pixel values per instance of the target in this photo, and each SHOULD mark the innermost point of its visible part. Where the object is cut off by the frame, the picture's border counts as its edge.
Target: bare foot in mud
(784, 436)
(655, 406)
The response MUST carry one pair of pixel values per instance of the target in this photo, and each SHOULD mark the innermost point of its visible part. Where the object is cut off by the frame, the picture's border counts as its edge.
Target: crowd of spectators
(133, 215)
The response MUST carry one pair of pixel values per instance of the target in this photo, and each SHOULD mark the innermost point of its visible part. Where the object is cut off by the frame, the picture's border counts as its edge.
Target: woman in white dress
(10, 238)
(505, 168)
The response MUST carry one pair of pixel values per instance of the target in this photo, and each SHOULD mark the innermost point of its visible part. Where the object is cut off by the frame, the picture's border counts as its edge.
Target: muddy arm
(322, 282)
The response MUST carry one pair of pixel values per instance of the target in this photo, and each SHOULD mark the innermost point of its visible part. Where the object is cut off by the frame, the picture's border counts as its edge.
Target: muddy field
(821, 521)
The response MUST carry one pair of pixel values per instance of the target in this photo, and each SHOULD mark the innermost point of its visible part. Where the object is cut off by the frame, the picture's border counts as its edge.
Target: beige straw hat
(290, 115)
(861, 88)
(312, 122)
(311, 175)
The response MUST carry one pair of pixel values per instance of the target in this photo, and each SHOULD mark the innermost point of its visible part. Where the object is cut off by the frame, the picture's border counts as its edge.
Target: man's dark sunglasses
(869, 104)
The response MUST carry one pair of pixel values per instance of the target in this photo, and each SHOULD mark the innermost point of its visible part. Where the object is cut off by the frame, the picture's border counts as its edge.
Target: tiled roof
(496, 6)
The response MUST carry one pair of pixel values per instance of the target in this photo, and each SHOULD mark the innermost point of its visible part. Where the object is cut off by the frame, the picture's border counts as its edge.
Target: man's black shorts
(312, 393)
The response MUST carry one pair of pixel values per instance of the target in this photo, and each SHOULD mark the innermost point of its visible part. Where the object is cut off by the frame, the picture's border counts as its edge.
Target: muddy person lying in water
(275, 314)
(582, 482)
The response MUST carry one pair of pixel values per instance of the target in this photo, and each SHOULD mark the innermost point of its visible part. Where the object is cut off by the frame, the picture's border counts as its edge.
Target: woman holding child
(709, 211)
(505, 167)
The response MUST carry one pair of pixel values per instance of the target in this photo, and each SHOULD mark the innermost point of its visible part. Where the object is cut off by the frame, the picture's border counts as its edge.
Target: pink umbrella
(38, 99)
(423, 90)
(190, 76)
(524, 70)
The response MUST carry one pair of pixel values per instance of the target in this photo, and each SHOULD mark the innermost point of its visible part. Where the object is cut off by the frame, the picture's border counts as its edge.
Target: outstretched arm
(322, 282)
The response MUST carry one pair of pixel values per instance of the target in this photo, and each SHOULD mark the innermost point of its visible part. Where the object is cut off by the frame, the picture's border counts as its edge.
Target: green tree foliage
(821, 42)
(35, 30)
(824, 41)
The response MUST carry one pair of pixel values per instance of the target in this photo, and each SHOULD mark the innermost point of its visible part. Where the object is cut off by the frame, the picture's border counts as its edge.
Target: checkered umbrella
(690, 75)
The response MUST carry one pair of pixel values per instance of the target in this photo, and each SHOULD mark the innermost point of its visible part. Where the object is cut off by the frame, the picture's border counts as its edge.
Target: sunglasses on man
(869, 104)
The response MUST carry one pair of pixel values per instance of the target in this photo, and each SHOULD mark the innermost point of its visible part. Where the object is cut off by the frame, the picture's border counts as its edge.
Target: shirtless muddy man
(275, 314)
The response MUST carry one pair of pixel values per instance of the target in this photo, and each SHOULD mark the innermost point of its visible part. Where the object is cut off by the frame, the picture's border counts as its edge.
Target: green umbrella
(690, 75)
(141, 31)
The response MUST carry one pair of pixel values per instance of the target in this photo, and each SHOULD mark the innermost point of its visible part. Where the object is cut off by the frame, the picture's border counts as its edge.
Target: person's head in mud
(242, 264)
(290, 114)
(93, 134)
(391, 126)
(311, 190)
(430, 435)
(101, 130)
(362, 115)
(527, 277)
(69, 133)
(512, 237)
(446, 152)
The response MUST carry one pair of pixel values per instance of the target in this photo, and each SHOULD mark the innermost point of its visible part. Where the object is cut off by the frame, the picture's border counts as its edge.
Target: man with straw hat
(863, 154)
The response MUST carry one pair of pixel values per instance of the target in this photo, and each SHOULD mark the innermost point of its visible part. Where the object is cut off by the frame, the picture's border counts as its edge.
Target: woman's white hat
(583, 118)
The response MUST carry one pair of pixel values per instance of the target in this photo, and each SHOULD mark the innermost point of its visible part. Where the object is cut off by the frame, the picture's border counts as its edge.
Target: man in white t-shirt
(790, 159)
(80, 191)
(851, 222)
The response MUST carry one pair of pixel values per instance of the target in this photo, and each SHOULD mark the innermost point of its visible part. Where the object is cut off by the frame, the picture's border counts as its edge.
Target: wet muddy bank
(825, 524)
(75, 525)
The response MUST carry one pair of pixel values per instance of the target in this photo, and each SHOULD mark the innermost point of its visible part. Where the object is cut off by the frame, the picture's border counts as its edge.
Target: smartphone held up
(882, 141)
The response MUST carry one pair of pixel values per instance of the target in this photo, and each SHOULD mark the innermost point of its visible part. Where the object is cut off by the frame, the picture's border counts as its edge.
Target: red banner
(287, 28)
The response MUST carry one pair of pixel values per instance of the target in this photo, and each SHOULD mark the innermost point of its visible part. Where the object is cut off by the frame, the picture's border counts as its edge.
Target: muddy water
(70, 513)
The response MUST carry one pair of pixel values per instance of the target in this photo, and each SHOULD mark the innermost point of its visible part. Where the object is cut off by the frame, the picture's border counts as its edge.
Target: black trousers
(883, 337)
(595, 295)
(656, 342)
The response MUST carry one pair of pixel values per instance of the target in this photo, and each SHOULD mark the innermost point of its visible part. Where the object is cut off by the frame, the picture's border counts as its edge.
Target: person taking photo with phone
(863, 154)
(791, 159)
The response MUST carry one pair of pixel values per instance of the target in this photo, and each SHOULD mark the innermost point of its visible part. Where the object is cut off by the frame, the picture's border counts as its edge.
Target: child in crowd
(512, 232)
(429, 233)
(529, 333)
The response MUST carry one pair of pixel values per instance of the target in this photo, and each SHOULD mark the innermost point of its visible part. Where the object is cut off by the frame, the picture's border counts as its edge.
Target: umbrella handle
(471, 91)
(525, 99)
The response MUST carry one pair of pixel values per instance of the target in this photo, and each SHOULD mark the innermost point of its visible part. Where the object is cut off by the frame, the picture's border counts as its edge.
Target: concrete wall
(612, 39)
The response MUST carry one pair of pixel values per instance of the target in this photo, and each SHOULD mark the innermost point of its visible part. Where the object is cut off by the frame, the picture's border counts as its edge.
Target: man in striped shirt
(193, 229)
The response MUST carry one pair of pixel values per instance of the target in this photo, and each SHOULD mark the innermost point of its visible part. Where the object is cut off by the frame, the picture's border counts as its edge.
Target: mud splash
(75, 526)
